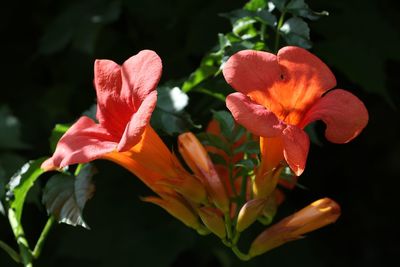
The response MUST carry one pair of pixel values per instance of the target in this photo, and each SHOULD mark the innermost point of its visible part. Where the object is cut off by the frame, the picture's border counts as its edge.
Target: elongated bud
(270, 208)
(212, 218)
(316, 215)
(176, 206)
(249, 213)
(193, 153)
(265, 183)
(196, 157)
(188, 186)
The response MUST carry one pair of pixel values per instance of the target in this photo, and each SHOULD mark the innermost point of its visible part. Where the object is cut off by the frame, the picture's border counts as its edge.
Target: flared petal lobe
(83, 142)
(256, 118)
(140, 74)
(286, 84)
(344, 114)
(248, 71)
(112, 111)
(125, 90)
(304, 79)
(139, 120)
(295, 148)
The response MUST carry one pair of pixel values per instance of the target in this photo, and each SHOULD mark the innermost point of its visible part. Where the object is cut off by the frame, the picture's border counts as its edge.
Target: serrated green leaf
(244, 28)
(10, 135)
(255, 5)
(248, 164)
(209, 139)
(226, 123)
(65, 196)
(301, 9)
(217, 159)
(262, 15)
(198, 76)
(58, 131)
(279, 4)
(296, 32)
(238, 133)
(266, 17)
(169, 115)
(20, 183)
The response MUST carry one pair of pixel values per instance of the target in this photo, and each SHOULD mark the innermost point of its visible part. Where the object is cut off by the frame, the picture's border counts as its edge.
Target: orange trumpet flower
(278, 95)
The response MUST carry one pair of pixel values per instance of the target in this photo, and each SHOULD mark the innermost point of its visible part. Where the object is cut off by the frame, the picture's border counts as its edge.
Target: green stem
(39, 245)
(240, 255)
(243, 191)
(228, 226)
(231, 181)
(262, 33)
(78, 169)
(278, 27)
(236, 237)
(10, 251)
(24, 251)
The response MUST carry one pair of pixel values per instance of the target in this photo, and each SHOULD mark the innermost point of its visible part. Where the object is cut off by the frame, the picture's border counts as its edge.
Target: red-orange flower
(280, 94)
(126, 98)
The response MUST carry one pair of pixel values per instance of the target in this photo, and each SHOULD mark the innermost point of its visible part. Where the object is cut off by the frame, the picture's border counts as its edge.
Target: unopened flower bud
(265, 183)
(195, 155)
(188, 186)
(212, 218)
(249, 213)
(316, 215)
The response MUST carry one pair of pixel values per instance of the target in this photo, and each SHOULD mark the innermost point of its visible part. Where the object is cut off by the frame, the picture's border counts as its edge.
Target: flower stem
(262, 32)
(39, 245)
(228, 226)
(231, 180)
(240, 255)
(278, 27)
(24, 251)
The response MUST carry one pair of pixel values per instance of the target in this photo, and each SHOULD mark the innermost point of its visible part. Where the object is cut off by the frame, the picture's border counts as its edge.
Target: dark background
(47, 53)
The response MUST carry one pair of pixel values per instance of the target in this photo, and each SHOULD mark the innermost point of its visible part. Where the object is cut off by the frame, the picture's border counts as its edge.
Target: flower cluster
(278, 95)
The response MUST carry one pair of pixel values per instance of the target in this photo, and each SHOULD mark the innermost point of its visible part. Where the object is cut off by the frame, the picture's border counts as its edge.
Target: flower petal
(286, 84)
(344, 114)
(256, 118)
(134, 129)
(248, 71)
(304, 79)
(140, 74)
(113, 111)
(83, 142)
(295, 148)
(121, 90)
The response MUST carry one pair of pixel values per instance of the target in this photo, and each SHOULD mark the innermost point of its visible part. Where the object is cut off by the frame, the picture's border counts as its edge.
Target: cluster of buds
(216, 198)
